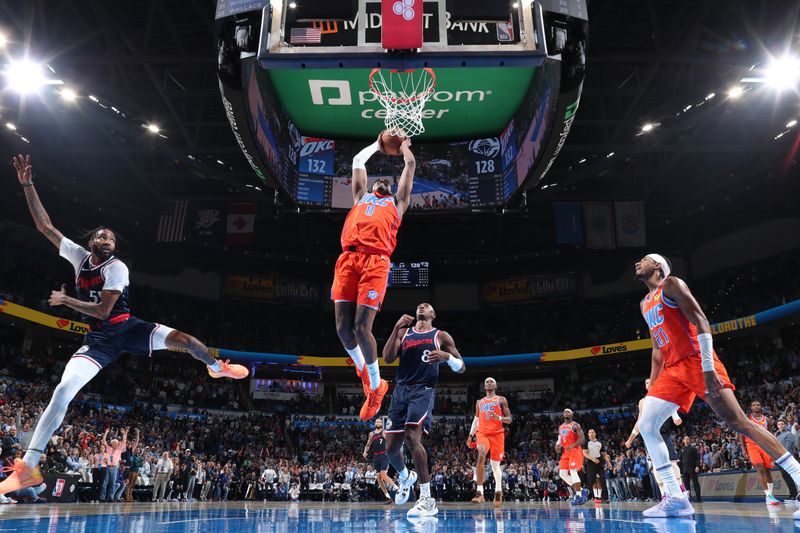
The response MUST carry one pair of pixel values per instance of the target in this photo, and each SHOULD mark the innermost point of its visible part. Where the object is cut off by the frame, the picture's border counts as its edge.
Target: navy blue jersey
(90, 280)
(377, 445)
(414, 366)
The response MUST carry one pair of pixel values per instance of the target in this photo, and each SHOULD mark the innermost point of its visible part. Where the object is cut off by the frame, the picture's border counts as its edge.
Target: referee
(594, 465)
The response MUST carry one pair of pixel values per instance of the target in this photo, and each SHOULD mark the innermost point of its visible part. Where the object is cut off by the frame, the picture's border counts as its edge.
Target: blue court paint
(336, 518)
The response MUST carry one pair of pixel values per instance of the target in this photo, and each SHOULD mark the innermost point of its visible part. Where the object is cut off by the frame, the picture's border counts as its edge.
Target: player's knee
(362, 328)
(346, 333)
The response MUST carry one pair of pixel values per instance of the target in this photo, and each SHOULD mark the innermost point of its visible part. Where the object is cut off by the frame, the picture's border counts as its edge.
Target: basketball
(390, 144)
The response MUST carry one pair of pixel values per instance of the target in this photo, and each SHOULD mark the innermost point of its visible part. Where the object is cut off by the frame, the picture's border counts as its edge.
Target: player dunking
(362, 270)
(570, 440)
(760, 459)
(422, 349)
(376, 445)
(102, 299)
(684, 365)
(491, 412)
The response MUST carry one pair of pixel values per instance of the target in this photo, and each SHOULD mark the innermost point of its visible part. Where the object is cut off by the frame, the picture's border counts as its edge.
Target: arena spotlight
(648, 127)
(11, 126)
(3, 40)
(710, 96)
(27, 76)
(292, 5)
(783, 72)
(152, 128)
(735, 92)
(791, 124)
(68, 94)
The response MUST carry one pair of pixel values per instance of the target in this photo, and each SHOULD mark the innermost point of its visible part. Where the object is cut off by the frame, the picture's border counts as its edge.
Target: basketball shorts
(380, 461)
(361, 278)
(681, 382)
(758, 456)
(571, 460)
(495, 443)
(411, 405)
(104, 346)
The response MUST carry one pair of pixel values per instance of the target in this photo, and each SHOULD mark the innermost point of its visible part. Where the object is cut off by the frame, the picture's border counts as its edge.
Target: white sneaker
(423, 507)
(423, 524)
(5, 499)
(772, 500)
(404, 490)
(669, 507)
(796, 515)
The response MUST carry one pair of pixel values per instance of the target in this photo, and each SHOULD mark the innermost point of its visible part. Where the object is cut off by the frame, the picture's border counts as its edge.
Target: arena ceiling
(647, 61)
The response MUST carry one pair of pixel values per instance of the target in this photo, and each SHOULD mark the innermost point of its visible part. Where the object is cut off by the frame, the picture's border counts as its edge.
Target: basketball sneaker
(423, 507)
(772, 500)
(364, 379)
(373, 402)
(670, 506)
(498, 499)
(423, 524)
(478, 498)
(404, 489)
(22, 476)
(228, 370)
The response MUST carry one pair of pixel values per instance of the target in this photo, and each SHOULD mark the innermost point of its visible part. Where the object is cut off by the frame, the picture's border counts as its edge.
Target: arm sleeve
(116, 276)
(74, 253)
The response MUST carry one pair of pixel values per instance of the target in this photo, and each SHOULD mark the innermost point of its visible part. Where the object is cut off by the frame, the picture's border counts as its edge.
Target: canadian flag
(241, 224)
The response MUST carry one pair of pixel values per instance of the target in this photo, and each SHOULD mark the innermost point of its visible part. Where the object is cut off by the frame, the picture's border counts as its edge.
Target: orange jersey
(371, 226)
(487, 424)
(761, 422)
(568, 434)
(671, 331)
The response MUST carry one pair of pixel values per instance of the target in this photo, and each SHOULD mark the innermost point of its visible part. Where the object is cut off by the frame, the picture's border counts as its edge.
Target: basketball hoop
(403, 93)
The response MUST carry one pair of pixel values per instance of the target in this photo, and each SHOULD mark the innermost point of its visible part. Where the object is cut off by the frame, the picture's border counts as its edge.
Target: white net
(403, 93)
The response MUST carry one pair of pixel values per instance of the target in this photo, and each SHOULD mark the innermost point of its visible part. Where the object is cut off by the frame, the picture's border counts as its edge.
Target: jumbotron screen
(414, 274)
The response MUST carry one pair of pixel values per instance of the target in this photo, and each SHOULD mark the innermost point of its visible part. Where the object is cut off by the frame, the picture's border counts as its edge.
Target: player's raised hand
(24, 169)
(405, 147)
(405, 321)
(58, 297)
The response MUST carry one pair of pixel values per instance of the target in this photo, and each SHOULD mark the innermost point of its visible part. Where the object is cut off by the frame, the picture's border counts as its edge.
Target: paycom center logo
(340, 93)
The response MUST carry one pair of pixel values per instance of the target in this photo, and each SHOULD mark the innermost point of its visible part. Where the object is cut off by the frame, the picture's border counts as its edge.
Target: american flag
(172, 221)
(306, 36)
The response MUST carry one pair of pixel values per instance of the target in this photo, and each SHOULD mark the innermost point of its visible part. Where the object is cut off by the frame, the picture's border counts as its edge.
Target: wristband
(29, 184)
(706, 351)
(455, 363)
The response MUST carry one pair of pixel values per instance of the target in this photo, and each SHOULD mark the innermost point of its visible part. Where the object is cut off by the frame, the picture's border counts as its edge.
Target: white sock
(790, 464)
(767, 492)
(374, 372)
(769, 487)
(671, 486)
(216, 367)
(357, 357)
(425, 490)
(480, 488)
(78, 372)
(597, 493)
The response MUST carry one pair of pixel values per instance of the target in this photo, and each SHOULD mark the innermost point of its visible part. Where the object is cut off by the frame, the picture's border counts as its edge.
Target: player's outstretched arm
(448, 353)
(392, 346)
(406, 182)
(24, 169)
(359, 181)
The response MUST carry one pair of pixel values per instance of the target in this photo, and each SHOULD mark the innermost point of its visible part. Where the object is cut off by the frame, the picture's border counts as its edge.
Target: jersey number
(94, 296)
(660, 337)
(370, 210)
(425, 355)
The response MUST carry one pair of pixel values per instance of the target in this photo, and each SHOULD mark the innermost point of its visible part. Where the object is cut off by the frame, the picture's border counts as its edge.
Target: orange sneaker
(498, 499)
(228, 370)
(364, 375)
(373, 402)
(22, 476)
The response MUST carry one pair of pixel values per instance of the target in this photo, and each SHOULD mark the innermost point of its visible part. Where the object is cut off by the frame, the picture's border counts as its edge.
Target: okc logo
(404, 8)
(372, 295)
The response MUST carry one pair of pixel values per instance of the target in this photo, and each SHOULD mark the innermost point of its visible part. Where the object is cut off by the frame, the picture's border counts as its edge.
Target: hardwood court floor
(343, 517)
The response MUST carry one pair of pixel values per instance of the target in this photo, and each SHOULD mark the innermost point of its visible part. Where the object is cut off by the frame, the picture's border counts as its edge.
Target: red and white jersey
(670, 330)
(761, 422)
(487, 424)
(568, 433)
(371, 225)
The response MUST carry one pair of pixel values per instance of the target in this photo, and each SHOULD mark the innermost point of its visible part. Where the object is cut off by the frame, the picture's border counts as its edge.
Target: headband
(662, 262)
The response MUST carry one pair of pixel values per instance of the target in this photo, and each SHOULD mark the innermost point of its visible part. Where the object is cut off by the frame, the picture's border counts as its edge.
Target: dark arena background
(216, 146)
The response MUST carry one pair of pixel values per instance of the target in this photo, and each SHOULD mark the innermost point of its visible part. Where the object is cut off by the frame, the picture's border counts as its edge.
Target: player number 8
(425, 355)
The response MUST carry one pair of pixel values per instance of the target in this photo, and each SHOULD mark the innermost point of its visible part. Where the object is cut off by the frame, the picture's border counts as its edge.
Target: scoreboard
(411, 275)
